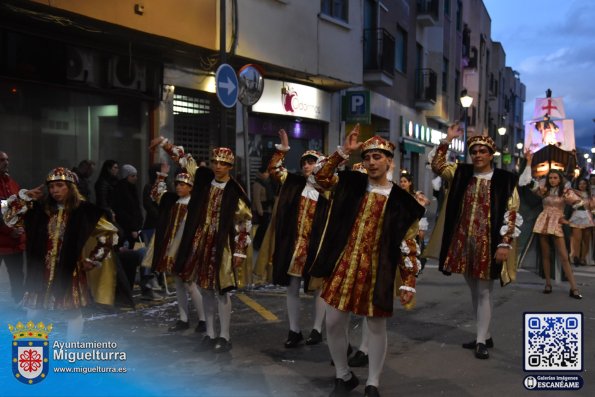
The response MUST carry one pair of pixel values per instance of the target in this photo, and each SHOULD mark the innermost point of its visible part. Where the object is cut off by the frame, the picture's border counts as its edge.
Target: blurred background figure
(104, 186)
(262, 204)
(12, 238)
(581, 224)
(84, 171)
(126, 204)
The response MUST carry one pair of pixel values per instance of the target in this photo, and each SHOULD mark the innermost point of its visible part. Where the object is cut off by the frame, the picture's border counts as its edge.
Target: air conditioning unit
(128, 73)
(80, 65)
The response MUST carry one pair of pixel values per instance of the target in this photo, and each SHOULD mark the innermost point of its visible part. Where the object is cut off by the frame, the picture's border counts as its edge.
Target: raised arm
(176, 153)
(276, 169)
(440, 165)
(325, 177)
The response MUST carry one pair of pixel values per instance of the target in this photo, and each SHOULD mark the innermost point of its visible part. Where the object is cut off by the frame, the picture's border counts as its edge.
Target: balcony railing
(426, 88)
(379, 51)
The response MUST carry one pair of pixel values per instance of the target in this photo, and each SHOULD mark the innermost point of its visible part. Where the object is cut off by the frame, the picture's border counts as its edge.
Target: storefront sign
(296, 100)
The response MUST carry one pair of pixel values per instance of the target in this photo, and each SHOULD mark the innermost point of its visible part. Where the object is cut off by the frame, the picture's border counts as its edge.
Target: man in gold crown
(68, 241)
(479, 228)
(163, 248)
(369, 235)
(215, 237)
(299, 218)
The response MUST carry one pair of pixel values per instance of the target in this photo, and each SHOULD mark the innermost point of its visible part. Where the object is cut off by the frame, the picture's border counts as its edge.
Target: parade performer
(370, 234)
(299, 218)
(67, 237)
(215, 238)
(173, 208)
(549, 222)
(481, 221)
(12, 239)
(581, 224)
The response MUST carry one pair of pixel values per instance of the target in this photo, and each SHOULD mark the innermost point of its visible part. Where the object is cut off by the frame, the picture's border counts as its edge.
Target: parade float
(549, 135)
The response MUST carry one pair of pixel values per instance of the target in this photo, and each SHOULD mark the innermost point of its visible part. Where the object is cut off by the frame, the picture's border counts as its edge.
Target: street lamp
(593, 150)
(502, 130)
(466, 101)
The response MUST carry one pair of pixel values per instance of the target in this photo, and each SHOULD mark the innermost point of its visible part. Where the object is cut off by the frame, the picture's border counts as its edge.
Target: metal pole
(465, 139)
(222, 59)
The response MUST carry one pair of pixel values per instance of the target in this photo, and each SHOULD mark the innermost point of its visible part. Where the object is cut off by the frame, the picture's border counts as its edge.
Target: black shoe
(481, 351)
(343, 387)
(293, 339)
(359, 359)
(207, 343)
(371, 391)
(201, 327)
(471, 345)
(349, 351)
(222, 345)
(575, 294)
(179, 326)
(314, 338)
(150, 295)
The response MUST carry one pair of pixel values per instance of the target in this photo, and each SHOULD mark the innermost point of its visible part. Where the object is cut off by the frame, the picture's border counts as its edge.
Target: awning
(413, 147)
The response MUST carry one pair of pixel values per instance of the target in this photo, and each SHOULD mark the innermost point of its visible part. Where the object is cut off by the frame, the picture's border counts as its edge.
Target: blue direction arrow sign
(227, 85)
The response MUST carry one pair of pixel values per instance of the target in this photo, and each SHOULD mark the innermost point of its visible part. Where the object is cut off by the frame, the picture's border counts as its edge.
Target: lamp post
(466, 101)
(519, 146)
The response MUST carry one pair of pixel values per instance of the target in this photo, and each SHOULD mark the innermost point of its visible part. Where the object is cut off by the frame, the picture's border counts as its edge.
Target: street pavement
(424, 355)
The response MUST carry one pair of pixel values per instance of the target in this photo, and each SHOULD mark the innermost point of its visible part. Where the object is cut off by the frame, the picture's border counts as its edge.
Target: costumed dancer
(66, 238)
(370, 234)
(299, 219)
(214, 240)
(581, 224)
(481, 221)
(549, 222)
(173, 208)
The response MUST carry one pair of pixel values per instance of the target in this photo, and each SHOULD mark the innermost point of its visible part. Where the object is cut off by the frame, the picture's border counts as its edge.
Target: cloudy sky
(551, 43)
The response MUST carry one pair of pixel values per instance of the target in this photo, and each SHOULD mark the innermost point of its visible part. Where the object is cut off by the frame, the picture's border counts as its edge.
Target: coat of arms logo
(30, 351)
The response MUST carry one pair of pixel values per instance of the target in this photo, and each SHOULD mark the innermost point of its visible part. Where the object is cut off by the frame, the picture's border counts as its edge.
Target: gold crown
(39, 331)
(378, 143)
(359, 167)
(61, 174)
(313, 153)
(481, 140)
(223, 154)
(184, 178)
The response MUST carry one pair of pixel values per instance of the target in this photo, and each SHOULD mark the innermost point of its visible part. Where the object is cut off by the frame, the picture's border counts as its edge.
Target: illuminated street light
(586, 155)
(593, 150)
(502, 130)
(519, 145)
(466, 102)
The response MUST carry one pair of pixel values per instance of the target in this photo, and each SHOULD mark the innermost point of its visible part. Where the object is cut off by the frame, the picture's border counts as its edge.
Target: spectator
(126, 205)
(84, 171)
(12, 239)
(262, 204)
(104, 186)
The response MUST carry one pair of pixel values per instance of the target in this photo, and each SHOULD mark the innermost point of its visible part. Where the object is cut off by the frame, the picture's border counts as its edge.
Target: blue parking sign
(226, 82)
(356, 107)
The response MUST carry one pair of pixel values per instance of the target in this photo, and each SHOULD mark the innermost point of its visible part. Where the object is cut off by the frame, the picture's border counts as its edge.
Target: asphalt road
(424, 354)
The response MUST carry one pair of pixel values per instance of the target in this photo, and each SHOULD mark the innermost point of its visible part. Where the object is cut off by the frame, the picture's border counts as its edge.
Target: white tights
(337, 340)
(212, 300)
(293, 306)
(182, 291)
(481, 296)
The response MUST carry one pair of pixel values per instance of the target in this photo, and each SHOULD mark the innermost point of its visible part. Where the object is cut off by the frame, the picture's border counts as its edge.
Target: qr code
(553, 341)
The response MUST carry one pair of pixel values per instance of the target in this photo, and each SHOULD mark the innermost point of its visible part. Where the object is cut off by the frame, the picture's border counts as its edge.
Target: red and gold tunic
(305, 216)
(471, 246)
(469, 251)
(173, 235)
(201, 265)
(351, 286)
(97, 249)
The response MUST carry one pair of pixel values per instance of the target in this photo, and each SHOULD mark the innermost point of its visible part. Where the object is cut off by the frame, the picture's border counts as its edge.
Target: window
(337, 9)
(459, 15)
(447, 7)
(401, 50)
(444, 75)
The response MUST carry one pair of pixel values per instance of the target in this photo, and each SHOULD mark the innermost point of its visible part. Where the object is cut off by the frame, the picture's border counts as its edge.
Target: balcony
(379, 57)
(427, 12)
(426, 89)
